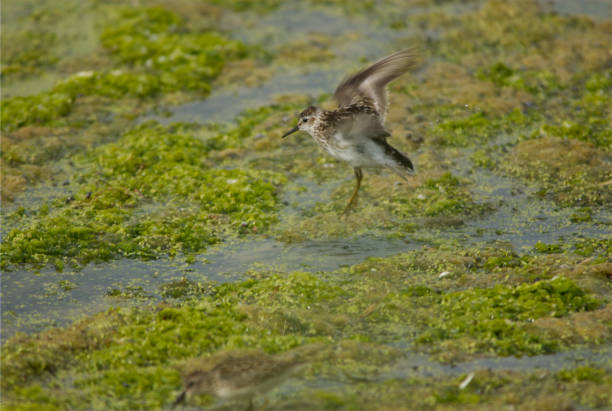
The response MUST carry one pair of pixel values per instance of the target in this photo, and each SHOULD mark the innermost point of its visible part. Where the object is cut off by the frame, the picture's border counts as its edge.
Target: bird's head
(196, 382)
(306, 121)
(201, 382)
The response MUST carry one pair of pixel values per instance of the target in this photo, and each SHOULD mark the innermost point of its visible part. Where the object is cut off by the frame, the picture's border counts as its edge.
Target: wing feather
(370, 82)
(357, 120)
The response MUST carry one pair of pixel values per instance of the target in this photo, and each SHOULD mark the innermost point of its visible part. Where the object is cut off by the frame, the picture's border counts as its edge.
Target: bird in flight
(355, 132)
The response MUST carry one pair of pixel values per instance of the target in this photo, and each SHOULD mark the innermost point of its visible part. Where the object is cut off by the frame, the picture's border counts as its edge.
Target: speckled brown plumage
(354, 132)
(239, 374)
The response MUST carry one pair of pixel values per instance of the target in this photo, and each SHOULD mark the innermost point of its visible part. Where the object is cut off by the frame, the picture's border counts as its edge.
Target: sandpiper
(354, 132)
(240, 375)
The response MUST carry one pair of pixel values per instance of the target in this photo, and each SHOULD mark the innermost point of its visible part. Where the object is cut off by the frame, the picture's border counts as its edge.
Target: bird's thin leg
(358, 176)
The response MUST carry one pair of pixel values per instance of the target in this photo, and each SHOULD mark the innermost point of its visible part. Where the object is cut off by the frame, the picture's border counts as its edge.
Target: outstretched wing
(371, 81)
(357, 120)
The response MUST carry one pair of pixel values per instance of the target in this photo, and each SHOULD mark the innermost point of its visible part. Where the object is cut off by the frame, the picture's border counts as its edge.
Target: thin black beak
(293, 130)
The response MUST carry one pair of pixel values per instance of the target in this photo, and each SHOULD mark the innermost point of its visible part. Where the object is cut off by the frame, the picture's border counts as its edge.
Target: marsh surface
(151, 213)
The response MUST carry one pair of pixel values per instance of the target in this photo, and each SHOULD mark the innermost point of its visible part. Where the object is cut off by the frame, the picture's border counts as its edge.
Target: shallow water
(520, 219)
(596, 9)
(33, 300)
(224, 105)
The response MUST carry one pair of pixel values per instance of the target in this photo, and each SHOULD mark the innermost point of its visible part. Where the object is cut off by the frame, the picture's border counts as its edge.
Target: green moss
(145, 342)
(246, 122)
(442, 196)
(547, 248)
(582, 215)
(154, 52)
(504, 258)
(498, 29)
(126, 359)
(116, 84)
(110, 215)
(497, 318)
(38, 109)
(27, 51)
(568, 170)
(538, 95)
(453, 395)
(483, 159)
(583, 373)
(595, 130)
(184, 288)
(543, 84)
(476, 128)
(593, 247)
(296, 290)
(128, 292)
(583, 114)
(462, 131)
(459, 131)
(154, 40)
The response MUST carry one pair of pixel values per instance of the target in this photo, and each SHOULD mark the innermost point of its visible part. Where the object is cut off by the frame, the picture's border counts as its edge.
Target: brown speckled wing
(359, 119)
(371, 81)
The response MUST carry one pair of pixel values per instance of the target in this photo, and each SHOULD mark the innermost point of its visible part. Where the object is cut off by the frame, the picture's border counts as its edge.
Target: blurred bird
(239, 375)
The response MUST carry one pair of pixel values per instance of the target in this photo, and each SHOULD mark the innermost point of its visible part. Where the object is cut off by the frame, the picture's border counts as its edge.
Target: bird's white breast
(357, 151)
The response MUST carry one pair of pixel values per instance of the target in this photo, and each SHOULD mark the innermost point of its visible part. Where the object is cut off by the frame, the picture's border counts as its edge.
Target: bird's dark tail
(402, 165)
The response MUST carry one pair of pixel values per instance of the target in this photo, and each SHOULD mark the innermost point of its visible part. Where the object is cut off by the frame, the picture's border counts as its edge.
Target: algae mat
(153, 219)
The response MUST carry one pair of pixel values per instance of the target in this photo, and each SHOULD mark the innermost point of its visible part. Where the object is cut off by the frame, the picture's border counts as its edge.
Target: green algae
(493, 317)
(151, 339)
(498, 389)
(184, 289)
(532, 93)
(149, 164)
(540, 155)
(360, 311)
(38, 109)
(594, 247)
(584, 373)
(570, 171)
(154, 53)
(113, 87)
(442, 196)
(105, 217)
(264, 122)
(542, 84)
(154, 40)
(547, 248)
(29, 44)
(356, 312)
(513, 31)
(586, 111)
(433, 199)
(27, 52)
